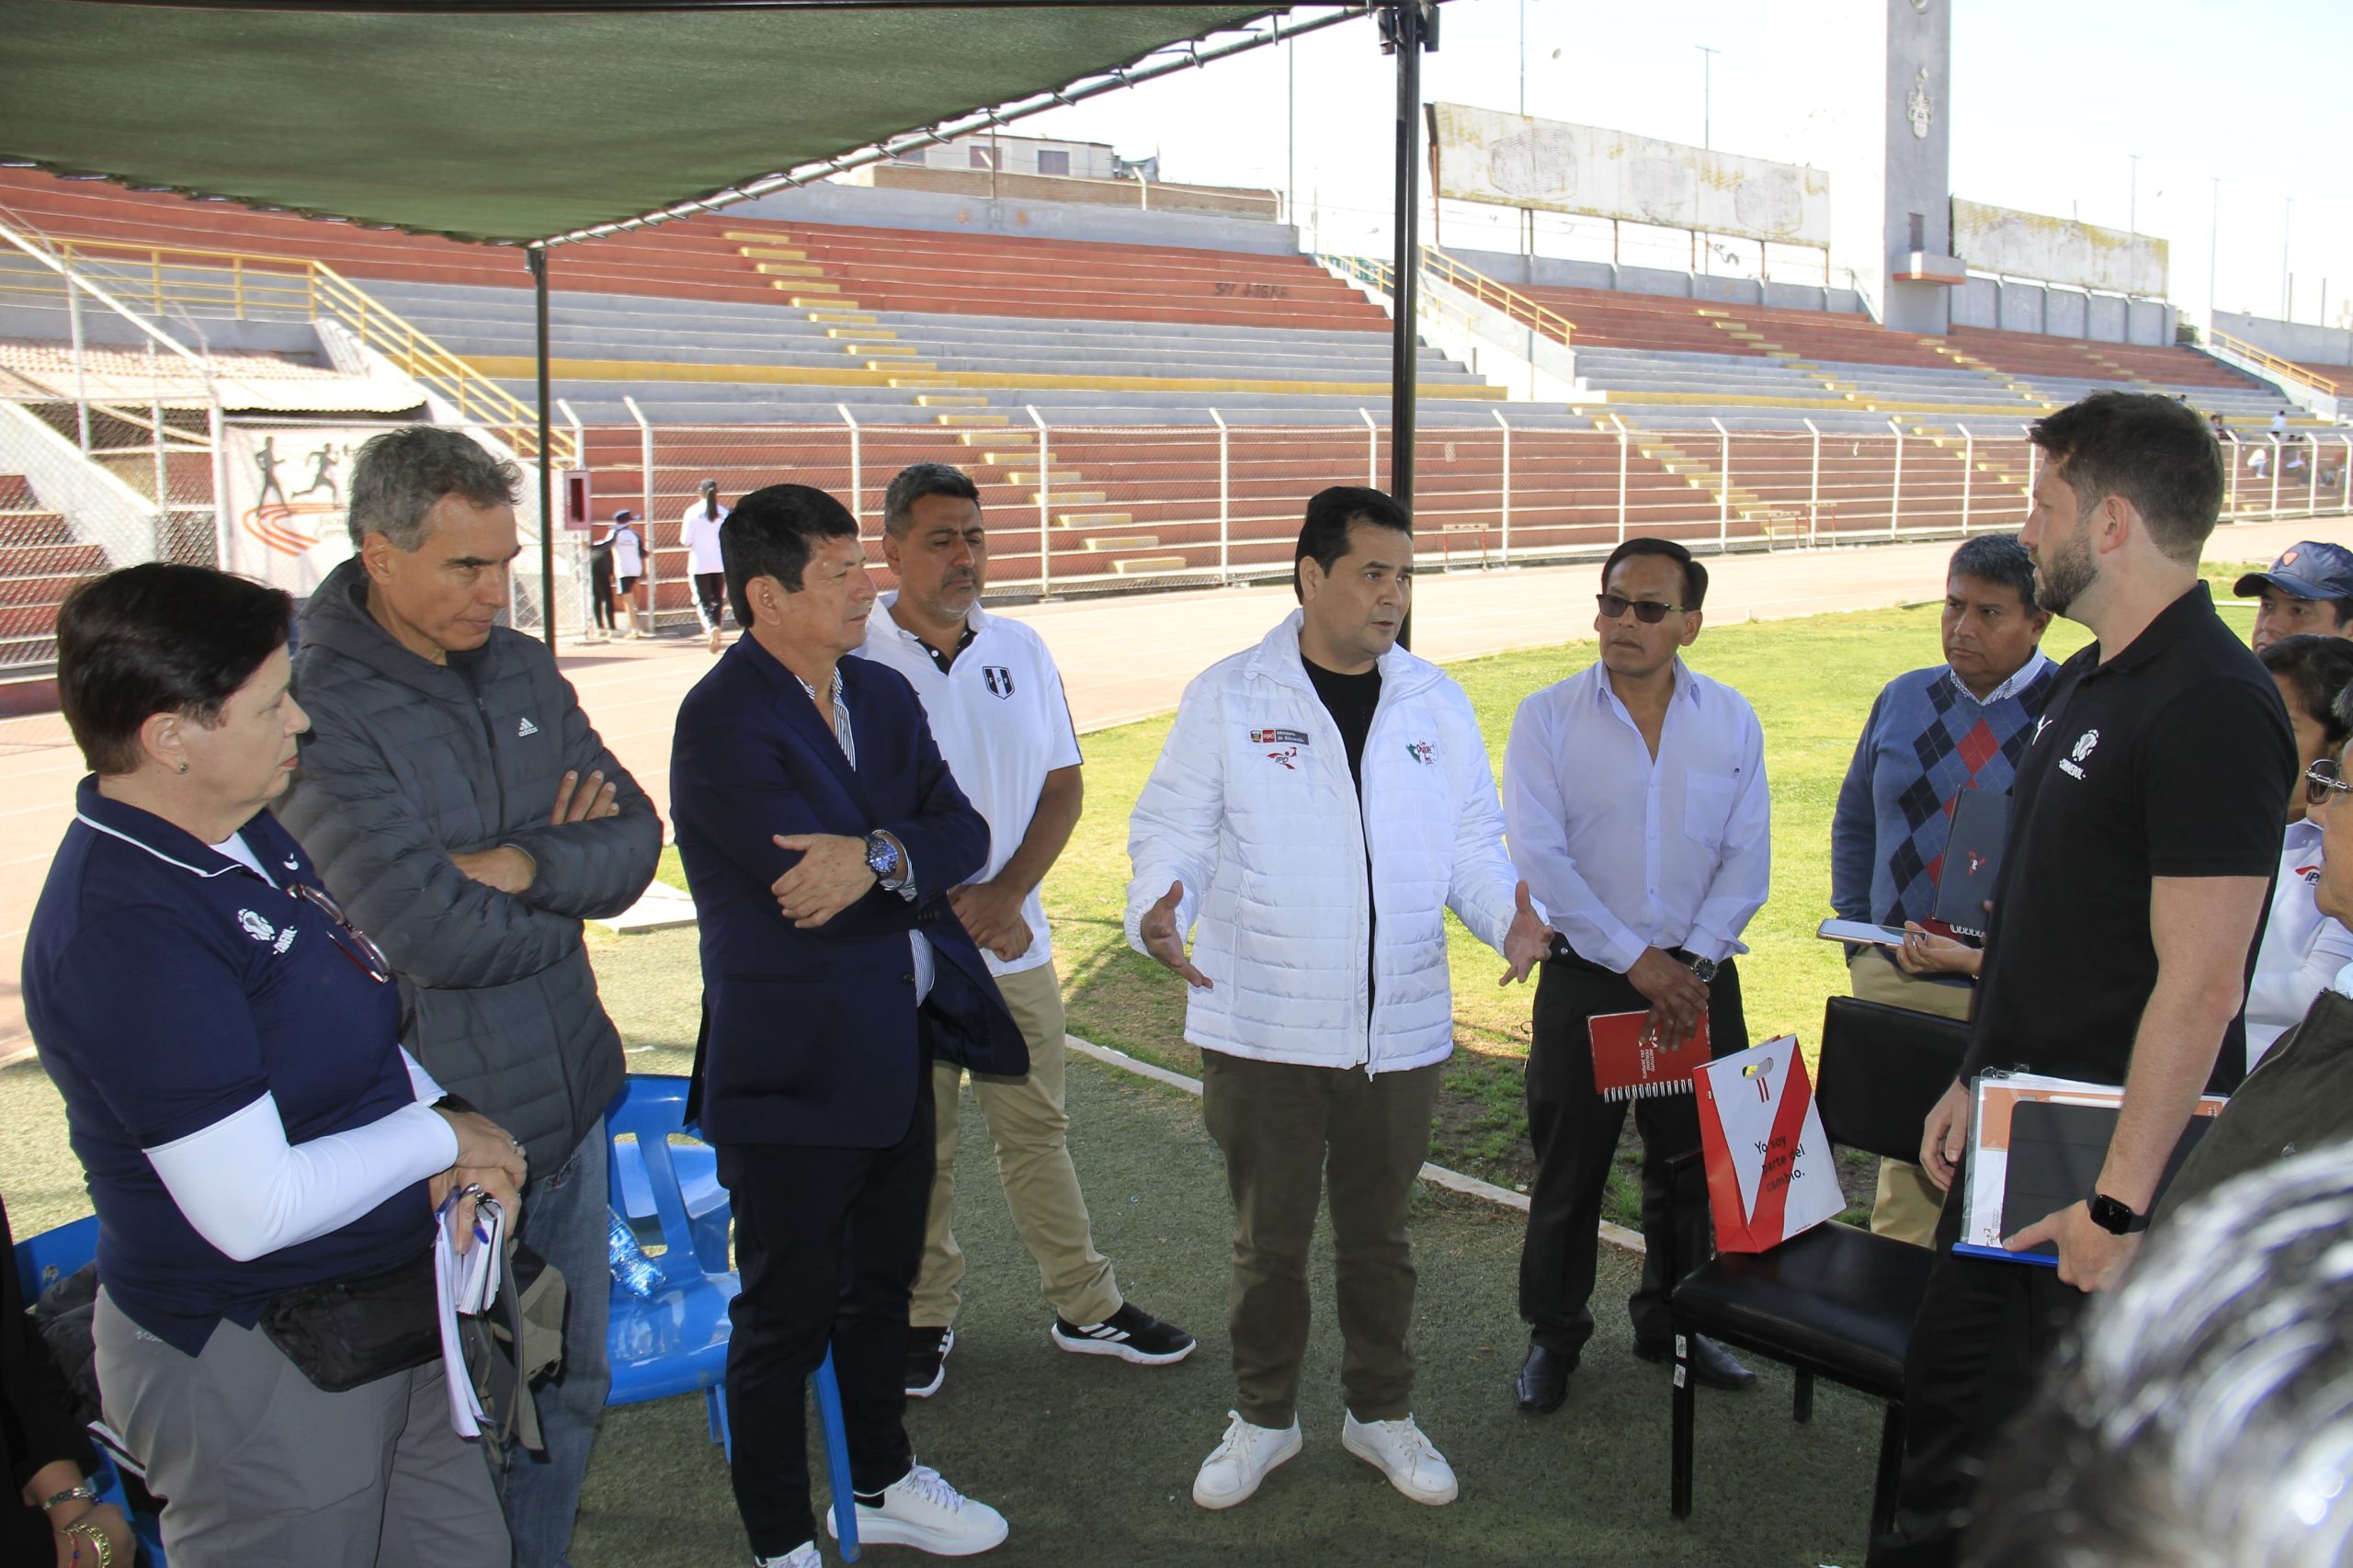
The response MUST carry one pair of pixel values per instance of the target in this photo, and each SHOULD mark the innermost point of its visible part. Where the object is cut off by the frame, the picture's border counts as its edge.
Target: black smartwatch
(2115, 1217)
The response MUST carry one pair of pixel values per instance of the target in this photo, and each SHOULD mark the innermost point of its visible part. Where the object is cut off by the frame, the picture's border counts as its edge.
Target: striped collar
(171, 845)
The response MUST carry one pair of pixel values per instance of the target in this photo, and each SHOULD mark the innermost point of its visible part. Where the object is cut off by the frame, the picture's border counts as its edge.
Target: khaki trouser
(1285, 1130)
(1031, 1132)
(1908, 1202)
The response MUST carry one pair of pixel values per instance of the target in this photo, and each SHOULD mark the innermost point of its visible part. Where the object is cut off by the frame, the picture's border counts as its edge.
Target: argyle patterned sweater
(1926, 740)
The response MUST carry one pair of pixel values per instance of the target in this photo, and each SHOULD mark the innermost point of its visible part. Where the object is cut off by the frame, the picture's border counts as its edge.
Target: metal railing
(181, 279)
(2272, 364)
(1377, 273)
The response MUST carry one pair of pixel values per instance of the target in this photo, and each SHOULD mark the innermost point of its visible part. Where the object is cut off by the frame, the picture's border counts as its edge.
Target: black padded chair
(1835, 1301)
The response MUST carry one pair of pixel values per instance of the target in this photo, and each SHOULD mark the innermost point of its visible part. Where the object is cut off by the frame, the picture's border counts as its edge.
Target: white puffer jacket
(1251, 806)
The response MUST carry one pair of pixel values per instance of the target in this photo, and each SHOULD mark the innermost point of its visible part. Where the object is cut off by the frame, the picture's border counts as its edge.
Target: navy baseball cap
(624, 516)
(2309, 569)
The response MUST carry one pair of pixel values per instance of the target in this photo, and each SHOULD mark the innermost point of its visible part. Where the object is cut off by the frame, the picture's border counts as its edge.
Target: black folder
(1981, 821)
(2056, 1151)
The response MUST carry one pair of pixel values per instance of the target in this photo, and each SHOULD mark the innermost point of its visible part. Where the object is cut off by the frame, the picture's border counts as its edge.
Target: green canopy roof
(521, 122)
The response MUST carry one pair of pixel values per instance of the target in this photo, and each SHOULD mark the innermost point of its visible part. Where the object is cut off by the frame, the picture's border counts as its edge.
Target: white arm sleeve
(249, 1192)
(428, 1089)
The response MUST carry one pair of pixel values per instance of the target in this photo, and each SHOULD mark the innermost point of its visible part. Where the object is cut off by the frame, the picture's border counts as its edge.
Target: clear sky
(2049, 100)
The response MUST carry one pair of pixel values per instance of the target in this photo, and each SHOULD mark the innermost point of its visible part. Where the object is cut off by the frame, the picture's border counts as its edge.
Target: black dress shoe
(1710, 1362)
(1543, 1380)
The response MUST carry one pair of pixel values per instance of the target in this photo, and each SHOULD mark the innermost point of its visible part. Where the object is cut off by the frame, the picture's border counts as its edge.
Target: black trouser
(827, 1241)
(1977, 1348)
(600, 586)
(1575, 1134)
(710, 599)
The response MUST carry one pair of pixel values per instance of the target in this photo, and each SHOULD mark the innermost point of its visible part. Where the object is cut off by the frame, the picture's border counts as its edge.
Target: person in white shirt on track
(699, 528)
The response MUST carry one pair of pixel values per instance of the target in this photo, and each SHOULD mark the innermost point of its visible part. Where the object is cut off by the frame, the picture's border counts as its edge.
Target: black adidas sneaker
(1130, 1334)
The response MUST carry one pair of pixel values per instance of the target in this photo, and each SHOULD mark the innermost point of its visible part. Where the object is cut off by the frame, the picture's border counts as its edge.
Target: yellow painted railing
(1516, 306)
(2273, 363)
(164, 277)
(1487, 291)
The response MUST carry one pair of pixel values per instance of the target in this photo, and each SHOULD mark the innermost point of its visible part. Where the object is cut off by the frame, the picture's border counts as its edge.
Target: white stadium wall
(2303, 341)
(2058, 250)
(1510, 160)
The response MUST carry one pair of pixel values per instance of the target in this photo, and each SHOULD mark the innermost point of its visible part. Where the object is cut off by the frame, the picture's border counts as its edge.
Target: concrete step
(1050, 478)
(1148, 565)
(901, 365)
(845, 318)
(1094, 519)
(863, 331)
(1124, 541)
(865, 346)
(1067, 498)
(805, 292)
(789, 269)
(757, 237)
(991, 439)
(969, 421)
(950, 399)
(771, 253)
(921, 383)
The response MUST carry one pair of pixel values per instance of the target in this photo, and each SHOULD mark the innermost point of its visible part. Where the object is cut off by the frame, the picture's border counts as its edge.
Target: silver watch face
(1705, 969)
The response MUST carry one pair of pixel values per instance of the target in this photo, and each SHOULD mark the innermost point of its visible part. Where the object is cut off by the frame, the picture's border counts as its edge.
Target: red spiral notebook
(1626, 1066)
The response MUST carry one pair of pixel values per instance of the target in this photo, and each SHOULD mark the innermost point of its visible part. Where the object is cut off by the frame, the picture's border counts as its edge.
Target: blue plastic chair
(675, 1340)
(706, 1200)
(41, 1261)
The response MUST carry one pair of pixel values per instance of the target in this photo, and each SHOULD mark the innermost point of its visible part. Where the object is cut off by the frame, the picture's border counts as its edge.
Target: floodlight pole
(539, 264)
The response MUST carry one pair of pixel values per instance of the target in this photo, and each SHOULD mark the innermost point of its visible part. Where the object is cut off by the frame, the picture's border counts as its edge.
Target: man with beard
(995, 701)
(2144, 834)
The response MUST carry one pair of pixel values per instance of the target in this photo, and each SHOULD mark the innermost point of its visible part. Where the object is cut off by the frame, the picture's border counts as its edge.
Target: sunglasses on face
(2323, 779)
(1650, 612)
(354, 944)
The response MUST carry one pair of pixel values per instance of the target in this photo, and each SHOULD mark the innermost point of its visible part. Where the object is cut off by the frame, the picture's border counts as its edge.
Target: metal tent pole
(1405, 40)
(538, 261)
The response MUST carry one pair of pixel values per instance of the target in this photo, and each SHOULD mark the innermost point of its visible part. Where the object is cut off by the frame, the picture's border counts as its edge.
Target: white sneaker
(1400, 1451)
(802, 1556)
(1241, 1459)
(920, 1509)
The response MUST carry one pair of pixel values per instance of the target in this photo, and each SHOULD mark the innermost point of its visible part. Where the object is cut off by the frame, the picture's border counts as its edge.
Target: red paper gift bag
(1771, 1172)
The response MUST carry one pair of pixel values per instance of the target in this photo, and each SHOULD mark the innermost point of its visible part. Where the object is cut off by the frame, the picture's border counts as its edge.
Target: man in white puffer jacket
(1323, 799)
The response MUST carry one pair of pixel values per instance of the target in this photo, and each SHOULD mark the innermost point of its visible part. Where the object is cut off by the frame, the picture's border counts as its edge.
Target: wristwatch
(882, 858)
(1705, 969)
(2115, 1217)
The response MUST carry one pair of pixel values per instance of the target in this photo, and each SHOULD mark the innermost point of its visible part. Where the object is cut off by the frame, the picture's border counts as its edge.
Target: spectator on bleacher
(629, 572)
(1320, 803)
(2308, 590)
(699, 528)
(2200, 1418)
(2214, 421)
(2301, 949)
(1931, 735)
(822, 835)
(995, 701)
(2144, 830)
(1635, 796)
(460, 805)
(600, 580)
(2280, 424)
(265, 1158)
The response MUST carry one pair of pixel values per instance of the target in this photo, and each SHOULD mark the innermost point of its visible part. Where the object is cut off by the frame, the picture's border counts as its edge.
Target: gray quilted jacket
(408, 763)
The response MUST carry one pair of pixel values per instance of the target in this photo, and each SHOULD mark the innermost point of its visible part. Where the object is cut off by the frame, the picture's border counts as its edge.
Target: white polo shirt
(1001, 720)
(700, 531)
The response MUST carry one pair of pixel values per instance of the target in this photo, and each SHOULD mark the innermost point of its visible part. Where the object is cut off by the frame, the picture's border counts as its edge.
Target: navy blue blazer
(813, 1037)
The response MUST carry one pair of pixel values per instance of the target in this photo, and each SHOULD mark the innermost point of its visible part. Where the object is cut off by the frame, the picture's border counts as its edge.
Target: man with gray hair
(460, 806)
(1932, 733)
(995, 701)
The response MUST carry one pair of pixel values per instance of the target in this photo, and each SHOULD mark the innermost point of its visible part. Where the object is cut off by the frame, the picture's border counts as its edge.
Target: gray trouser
(260, 1470)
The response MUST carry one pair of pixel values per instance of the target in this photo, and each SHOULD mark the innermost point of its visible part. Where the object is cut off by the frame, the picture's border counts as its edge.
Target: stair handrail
(322, 291)
(2272, 362)
(1514, 305)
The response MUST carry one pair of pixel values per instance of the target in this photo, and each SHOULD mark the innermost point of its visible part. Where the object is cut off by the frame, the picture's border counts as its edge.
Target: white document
(465, 1284)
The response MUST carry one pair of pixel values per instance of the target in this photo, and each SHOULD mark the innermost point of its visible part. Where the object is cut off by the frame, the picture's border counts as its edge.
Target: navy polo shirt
(168, 986)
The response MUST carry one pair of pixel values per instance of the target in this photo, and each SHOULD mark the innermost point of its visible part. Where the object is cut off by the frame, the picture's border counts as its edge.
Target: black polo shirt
(2172, 759)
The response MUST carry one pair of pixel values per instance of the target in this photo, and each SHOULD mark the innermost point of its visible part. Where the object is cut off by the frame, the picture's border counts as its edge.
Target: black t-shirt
(1351, 700)
(2172, 759)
